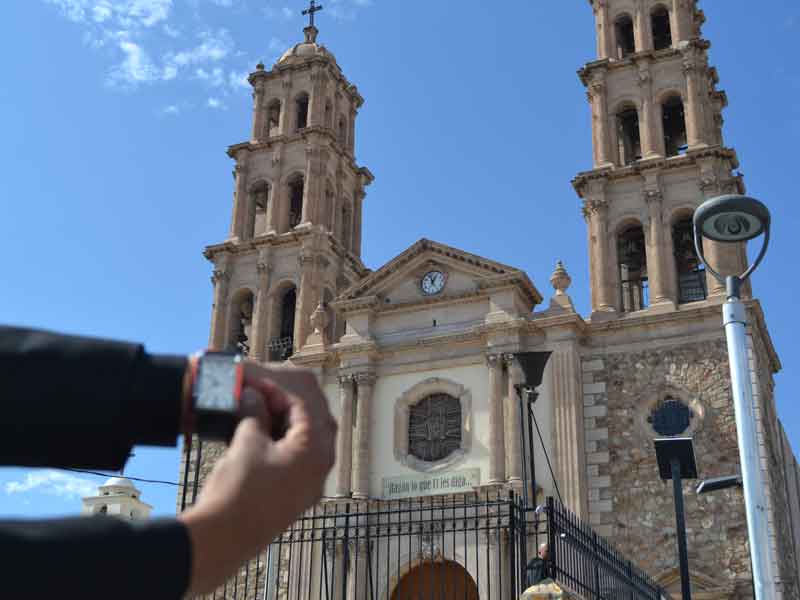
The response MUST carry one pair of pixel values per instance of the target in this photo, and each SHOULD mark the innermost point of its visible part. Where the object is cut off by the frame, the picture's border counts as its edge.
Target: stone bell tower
(658, 154)
(295, 234)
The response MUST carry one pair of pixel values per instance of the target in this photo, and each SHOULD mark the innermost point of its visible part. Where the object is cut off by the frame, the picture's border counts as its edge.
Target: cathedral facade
(417, 357)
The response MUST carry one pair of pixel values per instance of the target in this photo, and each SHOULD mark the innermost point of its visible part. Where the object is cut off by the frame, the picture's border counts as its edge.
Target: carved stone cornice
(368, 303)
(581, 181)
(365, 378)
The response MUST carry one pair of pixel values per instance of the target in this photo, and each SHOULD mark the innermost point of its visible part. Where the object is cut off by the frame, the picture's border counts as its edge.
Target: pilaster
(694, 105)
(654, 234)
(497, 459)
(365, 385)
(240, 198)
(595, 210)
(220, 279)
(598, 95)
(263, 305)
(568, 422)
(513, 424)
(259, 111)
(344, 441)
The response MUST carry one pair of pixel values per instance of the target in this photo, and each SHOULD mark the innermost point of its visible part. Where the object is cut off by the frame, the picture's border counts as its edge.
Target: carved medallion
(434, 427)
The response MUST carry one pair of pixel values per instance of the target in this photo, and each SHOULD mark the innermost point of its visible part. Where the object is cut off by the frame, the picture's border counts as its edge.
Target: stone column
(649, 113)
(344, 442)
(286, 112)
(693, 111)
(262, 308)
(596, 212)
(498, 582)
(641, 24)
(497, 453)
(276, 193)
(258, 111)
(351, 138)
(513, 424)
(240, 199)
(679, 30)
(305, 296)
(603, 31)
(568, 427)
(365, 384)
(597, 93)
(336, 568)
(220, 280)
(656, 271)
(358, 207)
(358, 582)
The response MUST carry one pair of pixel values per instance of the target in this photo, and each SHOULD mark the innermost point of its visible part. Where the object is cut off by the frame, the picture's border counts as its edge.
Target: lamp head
(731, 218)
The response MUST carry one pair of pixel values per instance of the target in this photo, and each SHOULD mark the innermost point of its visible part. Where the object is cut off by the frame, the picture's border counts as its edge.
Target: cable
(547, 458)
(99, 474)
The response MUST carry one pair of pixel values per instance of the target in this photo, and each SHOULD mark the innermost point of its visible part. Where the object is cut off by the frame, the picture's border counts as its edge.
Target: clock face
(215, 385)
(432, 283)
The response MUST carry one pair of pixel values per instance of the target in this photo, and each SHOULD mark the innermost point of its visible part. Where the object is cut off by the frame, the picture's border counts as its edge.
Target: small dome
(119, 482)
(307, 49)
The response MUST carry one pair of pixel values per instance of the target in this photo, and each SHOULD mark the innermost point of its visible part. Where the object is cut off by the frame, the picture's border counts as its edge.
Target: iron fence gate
(460, 547)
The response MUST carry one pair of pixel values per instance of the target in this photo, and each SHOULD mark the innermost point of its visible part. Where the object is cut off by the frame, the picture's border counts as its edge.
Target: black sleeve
(95, 558)
(80, 402)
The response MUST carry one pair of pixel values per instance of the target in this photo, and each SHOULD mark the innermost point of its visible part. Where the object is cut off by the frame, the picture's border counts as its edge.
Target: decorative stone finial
(311, 34)
(260, 66)
(560, 279)
(320, 319)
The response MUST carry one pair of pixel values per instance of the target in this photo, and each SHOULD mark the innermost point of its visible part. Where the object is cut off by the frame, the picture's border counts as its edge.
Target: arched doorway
(436, 580)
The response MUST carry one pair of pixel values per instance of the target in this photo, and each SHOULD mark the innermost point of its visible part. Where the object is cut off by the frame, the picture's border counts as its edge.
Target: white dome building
(118, 497)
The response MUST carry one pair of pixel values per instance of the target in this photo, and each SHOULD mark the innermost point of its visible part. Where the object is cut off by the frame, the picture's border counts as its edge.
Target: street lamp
(736, 219)
(676, 462)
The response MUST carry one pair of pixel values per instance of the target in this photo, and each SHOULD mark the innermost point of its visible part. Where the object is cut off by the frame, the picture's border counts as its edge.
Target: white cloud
(224, 3)
(173, 110)
(238, 80)
(171, 31)
(127, 13)
(214, 77)
(53, 483)
(215, 103)
(214, 47)
(135, 68)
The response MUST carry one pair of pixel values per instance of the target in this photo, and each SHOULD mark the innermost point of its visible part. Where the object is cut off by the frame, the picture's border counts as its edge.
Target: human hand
(262, 484)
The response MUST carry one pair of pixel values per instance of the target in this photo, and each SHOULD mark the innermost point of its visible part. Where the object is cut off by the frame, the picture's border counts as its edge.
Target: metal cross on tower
(311, 11)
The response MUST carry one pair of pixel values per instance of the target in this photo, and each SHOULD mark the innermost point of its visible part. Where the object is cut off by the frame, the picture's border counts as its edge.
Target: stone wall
(772, 457)
(628, 501)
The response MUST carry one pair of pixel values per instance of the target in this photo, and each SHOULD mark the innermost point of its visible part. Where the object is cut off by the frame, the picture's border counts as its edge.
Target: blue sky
(116, 115)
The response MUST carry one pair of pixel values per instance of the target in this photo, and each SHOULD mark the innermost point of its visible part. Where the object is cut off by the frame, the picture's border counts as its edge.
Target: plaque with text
(431, 484)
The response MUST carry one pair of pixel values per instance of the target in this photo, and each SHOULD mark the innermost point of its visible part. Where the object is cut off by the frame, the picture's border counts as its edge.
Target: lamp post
(676, 462)
(736, 219)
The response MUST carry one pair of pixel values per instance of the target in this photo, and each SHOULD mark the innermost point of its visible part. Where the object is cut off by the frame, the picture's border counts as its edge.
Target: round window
(671, 417)
(434, 427)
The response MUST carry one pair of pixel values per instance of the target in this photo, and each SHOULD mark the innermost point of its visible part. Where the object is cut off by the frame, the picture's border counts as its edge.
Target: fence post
(512, 532)
(346, 551)
(551, 536)
(596, 578)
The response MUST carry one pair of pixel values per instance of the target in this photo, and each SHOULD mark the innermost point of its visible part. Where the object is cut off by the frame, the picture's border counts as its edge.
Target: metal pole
(680, 524)
(734, 319)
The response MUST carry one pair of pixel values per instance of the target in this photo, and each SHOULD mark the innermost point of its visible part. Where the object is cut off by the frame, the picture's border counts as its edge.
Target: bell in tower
(295, 233)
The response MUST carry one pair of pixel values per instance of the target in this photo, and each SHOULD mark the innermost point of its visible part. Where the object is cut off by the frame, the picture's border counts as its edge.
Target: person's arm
(95, 558)
(79, 402)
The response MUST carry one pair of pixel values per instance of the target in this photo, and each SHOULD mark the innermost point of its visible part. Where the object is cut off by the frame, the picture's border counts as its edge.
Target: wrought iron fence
(589, 565)
(460, 547)
(280, 349)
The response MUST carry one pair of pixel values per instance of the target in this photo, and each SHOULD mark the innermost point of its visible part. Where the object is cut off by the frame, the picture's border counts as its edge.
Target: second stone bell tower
(295, 234)
(658, 154)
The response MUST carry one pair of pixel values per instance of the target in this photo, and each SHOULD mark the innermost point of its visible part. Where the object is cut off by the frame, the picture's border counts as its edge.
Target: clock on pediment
(433, 282)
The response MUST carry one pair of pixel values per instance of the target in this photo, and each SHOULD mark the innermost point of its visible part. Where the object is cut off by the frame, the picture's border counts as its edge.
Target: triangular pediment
(399, 281)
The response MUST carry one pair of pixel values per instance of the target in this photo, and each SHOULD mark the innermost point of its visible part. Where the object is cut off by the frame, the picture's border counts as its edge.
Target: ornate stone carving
(560, 279)
(320, 319)
(263, 267)
(365, 378)
(592, 206)
(653, 196)
(709, 182)
(220, 275)
(434, 427)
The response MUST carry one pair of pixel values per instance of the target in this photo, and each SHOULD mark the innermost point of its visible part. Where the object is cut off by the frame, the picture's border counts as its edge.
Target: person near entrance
(539, 568)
